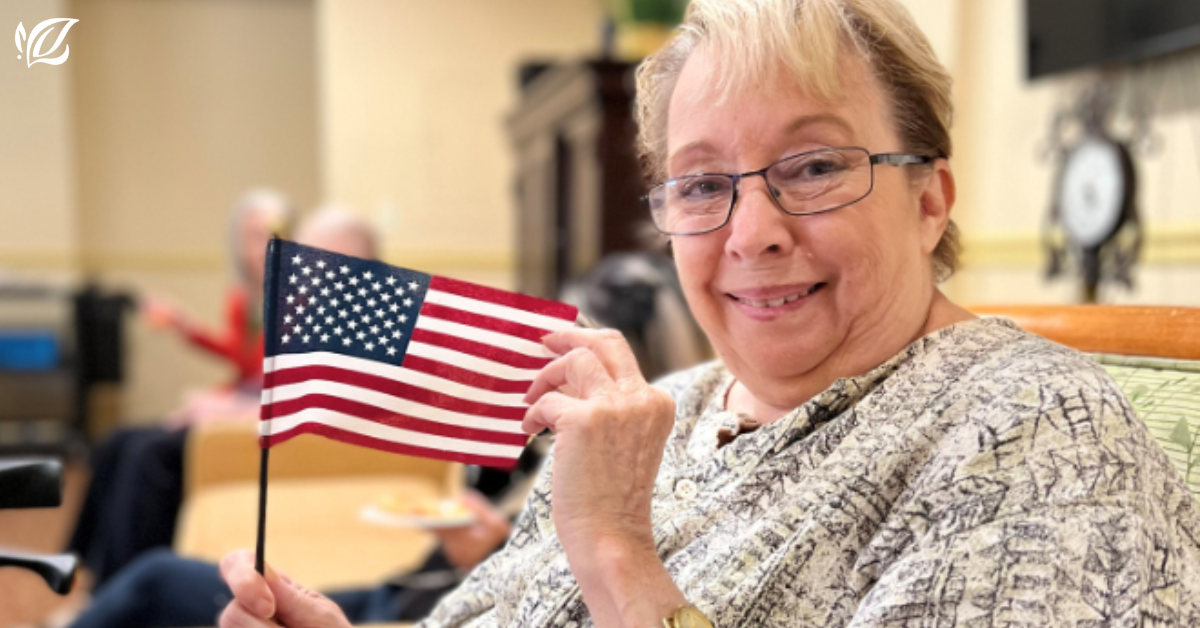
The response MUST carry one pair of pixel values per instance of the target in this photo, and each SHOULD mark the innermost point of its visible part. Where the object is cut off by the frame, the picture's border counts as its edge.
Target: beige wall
(38, 226)
(1005, 188)
(414, 98)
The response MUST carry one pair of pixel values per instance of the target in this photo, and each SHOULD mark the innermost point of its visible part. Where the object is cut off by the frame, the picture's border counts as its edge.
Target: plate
(454, 517)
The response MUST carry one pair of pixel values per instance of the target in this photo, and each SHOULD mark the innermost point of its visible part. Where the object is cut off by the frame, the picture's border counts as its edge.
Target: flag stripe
(467, 361)
(533, 334)
(484, 336)
(404, 374)
(507, 461)
(398, 405)
(479, 349)
(496, 310)
(348, 407)
(503, 297)
(270, 427)
(465, 376)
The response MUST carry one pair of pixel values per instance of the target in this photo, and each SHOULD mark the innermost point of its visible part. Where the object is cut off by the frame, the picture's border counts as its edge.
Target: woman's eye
(699, 189)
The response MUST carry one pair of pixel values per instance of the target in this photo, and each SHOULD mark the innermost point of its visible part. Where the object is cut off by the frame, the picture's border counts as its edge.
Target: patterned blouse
(982, 477)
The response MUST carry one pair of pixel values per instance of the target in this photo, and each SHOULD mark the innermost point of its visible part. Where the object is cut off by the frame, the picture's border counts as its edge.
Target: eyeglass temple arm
(900, 159)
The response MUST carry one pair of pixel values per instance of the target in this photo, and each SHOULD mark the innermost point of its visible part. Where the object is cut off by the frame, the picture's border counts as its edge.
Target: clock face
(1091, 196)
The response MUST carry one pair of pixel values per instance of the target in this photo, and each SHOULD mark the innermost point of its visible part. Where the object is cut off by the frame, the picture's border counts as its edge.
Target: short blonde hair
(751, 41)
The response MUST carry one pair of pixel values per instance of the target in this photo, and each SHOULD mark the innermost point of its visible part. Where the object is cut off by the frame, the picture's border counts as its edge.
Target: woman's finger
(608, 345)
(250, 590)
(544, 414)
(236, 616)
(579, 373)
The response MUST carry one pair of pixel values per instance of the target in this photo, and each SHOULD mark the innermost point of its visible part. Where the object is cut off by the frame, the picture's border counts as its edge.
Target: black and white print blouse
(981, 477)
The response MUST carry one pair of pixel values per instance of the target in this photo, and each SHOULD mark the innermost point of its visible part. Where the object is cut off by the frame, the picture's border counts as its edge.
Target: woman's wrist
(625, 584)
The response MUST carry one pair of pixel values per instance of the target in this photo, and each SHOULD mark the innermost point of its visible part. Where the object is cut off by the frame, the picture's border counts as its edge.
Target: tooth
(791, 298)
(775, 303)
(759, 303)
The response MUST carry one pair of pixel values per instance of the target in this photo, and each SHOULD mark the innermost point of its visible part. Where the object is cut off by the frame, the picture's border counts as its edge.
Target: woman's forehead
(703, 115)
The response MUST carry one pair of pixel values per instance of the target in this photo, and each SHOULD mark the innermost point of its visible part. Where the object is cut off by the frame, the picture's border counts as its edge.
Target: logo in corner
(30, 46)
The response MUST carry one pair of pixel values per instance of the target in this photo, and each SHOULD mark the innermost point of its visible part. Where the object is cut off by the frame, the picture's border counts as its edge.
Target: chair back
(1153, 353)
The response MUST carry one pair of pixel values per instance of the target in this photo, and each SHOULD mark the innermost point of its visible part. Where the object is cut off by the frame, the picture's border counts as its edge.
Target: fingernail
(264, 608)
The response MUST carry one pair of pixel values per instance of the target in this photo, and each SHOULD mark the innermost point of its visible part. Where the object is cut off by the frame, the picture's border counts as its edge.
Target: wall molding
(98, 262)
(1174, 246)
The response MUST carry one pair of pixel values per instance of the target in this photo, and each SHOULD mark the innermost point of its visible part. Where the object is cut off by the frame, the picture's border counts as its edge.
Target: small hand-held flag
(389, 358)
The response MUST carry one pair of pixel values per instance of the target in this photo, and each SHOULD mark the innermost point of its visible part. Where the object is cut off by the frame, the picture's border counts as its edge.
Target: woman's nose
(758, 226)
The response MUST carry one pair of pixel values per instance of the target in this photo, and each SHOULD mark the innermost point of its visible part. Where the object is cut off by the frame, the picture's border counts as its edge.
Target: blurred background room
(493, 141)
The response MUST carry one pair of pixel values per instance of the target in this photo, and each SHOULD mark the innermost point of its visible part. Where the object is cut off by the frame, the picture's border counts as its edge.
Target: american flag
(393, 359)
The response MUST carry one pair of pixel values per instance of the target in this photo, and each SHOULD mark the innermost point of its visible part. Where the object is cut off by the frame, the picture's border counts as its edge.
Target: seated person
(137, 477)
(893, 459)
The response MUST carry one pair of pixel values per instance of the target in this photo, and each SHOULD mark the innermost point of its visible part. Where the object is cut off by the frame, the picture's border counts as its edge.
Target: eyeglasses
(809, 183)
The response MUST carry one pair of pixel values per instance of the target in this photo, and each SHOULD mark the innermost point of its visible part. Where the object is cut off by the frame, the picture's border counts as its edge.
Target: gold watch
(687, 616)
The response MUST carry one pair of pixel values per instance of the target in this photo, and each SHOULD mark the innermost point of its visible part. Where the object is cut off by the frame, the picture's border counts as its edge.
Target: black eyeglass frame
(890, 159)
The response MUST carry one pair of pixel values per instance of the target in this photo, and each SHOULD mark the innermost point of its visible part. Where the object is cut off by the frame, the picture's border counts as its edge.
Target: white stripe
(495, 310)
(486, 336)
(387, 402)
(471, 362)
(273, 427)
(396, 373)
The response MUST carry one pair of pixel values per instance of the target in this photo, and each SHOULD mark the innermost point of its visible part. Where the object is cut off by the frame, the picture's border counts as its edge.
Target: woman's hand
(610, 429)
(160, 313)
(274, 600)
(467, 546)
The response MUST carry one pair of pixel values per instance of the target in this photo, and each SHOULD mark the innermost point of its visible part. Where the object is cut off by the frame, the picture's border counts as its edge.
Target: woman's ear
(937, 199)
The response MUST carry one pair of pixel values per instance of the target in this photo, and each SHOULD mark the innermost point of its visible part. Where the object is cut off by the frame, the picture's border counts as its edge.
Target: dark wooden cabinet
(578, 182)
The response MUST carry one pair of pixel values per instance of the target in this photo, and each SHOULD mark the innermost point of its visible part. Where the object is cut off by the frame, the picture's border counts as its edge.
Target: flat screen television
(1063, 35)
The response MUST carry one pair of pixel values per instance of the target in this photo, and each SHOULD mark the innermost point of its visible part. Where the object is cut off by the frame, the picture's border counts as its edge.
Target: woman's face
(863, 272)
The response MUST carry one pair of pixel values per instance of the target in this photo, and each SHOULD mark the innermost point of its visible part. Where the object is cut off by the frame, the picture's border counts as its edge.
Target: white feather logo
(30, 47)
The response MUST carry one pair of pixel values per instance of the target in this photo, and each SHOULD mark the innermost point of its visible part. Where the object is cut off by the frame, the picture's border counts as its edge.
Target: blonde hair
(752, 41)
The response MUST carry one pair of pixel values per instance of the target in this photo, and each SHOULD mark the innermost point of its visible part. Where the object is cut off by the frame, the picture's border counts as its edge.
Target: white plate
(378, 516)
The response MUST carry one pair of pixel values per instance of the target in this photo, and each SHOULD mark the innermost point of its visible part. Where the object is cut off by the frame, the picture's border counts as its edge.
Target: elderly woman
(894, 460)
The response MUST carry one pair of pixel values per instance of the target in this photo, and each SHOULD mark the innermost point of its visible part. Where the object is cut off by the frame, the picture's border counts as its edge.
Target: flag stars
(361, 335)
(324, 292)
(324, 337)
(285, 338)
(297, 260)
(412, 285)
(357, 308)
(346, 341)
(391, 281)
(383, 340)
(344, 269)
(375, 329)
(404, 318)
(299, 309)
(376, 286)
(321, 310)
(341, 313)
(338, 330)
(352, 325)
(329, 274)
(386, 297)
(292, 279)
(368, 275)
(290, 298)
(287, 319)
(316, 281)
(371, 302)
(348, 296)
(316, 329)
(333, 302)
(339, 285)
(303, 290)
(396, 334)
(297, 330)
(388, 324)
(305, 339)
(321, 263)
(362, 292)
(328, 320)
(393, 307)
(391, 350)
(369, 346)
(308, 319)
(354, 281)
(306, 270)
(366, 318)
(408, 302)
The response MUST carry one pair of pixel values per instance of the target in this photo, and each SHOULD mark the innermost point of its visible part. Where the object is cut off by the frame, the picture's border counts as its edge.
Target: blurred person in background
(137, 473)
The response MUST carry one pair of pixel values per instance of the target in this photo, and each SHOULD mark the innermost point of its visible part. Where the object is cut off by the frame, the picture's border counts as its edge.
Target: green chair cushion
(1166, 394)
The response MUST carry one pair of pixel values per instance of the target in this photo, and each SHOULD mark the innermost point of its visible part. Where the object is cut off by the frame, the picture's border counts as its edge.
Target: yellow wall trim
(1161, 247)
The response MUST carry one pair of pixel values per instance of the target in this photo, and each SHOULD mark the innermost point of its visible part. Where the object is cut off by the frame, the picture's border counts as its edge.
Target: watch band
(687, 616)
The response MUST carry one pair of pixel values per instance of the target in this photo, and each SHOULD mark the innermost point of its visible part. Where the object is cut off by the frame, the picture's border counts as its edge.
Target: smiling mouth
(767, 304)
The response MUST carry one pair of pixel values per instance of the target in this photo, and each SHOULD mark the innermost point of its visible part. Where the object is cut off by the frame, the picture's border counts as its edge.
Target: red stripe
(479, 349)
(511, 299)
(359, 440)
(391, 387)
(483, 322)
(465, 376)
(387, 417)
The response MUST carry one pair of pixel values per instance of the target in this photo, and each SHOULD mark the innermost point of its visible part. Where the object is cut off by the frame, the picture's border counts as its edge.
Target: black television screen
(1070, 34)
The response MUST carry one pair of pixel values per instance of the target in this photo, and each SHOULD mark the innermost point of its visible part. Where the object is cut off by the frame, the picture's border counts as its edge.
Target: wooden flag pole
(260, 547)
